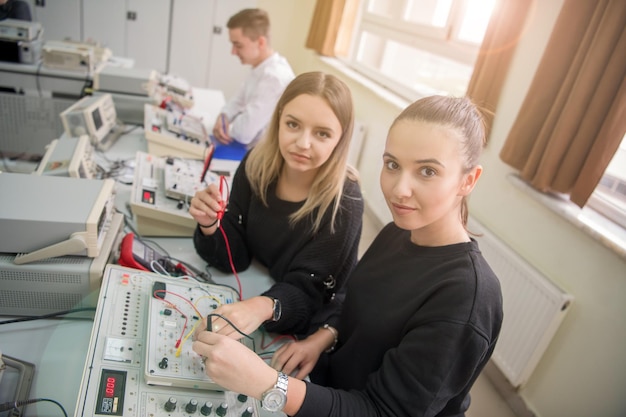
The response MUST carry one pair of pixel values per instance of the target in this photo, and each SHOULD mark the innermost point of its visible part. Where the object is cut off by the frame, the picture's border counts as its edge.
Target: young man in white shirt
(244, 117)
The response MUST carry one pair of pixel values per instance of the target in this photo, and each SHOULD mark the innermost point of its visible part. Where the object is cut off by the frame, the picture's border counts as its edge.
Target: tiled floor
(486, 401)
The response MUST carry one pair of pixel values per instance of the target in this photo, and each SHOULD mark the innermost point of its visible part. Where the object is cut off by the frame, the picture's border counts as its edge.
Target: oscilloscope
(94, 116)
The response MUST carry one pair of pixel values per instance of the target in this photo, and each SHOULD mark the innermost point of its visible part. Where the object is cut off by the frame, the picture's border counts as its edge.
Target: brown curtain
(505, 27)
(331, 27)
(574, 115)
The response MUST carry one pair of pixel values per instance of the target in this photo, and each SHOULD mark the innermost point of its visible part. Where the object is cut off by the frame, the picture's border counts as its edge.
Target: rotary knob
(191, 406)
(222, 410)
(206, 409)
(170, 405)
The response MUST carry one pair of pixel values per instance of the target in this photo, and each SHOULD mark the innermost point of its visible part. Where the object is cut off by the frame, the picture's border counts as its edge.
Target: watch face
(274, 400)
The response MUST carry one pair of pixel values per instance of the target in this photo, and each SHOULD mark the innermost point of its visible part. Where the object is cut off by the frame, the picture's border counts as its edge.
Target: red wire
(232, 264)
(181, 297)
(230, 255)
(274, 340)
(182, 333)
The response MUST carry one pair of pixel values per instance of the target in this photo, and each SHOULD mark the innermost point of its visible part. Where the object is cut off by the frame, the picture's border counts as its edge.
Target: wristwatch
(277, 310)
(274, 399)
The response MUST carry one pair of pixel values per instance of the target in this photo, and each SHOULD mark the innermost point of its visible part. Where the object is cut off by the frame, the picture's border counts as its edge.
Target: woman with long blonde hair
(295, 206)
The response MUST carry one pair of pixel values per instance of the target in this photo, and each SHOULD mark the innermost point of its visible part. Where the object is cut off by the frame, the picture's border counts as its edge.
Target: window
(609, 197)
(420, 47)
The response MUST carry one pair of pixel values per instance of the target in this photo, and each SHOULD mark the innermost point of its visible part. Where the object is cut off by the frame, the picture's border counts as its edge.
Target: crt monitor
(94, 116)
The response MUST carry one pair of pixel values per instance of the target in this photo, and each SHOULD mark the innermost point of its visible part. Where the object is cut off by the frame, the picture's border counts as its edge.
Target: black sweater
(297, 260)
(417, 327)
(15, 9)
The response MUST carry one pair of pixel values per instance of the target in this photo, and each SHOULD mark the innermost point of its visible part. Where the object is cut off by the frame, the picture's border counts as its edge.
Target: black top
(417, 327)
(299, 261)
(15, 9)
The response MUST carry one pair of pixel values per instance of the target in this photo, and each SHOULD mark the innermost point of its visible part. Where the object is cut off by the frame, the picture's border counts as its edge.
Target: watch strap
(277, 310)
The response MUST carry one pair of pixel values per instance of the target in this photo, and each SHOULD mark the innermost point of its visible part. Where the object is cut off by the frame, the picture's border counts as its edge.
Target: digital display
(97, 119)
(110, 401)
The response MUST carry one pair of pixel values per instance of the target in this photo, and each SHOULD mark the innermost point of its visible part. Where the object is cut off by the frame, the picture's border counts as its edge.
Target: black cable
(14, 405)
(130, 130)
(206, 268)
(149, 242)
(47, 316)
(233, 326)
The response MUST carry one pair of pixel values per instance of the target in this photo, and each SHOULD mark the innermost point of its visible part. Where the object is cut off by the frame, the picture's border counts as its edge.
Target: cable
(14, 405)
(234, 327)
(223, 285)
(47, 316)
(232, 264)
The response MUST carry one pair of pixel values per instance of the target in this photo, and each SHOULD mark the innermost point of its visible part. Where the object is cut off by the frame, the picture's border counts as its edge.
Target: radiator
(533, 308)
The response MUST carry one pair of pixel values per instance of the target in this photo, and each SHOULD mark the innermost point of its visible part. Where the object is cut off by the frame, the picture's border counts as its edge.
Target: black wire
(128, 222)
(14, 405)
(47, 316)
(234, 327)
(149, 242)
(130, 130)
(229, 287)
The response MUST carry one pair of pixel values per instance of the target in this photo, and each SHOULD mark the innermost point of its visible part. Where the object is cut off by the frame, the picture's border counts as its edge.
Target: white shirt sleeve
(250, 110)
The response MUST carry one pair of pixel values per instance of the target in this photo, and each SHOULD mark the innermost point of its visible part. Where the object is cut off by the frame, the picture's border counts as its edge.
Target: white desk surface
(58, 347)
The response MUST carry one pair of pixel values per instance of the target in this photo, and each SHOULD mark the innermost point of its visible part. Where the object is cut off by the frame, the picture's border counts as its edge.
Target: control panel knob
(163, 363)
(191, 406)
(248, 412)
(242, 398)
(206, 409)
(222, 410)
(170, 405)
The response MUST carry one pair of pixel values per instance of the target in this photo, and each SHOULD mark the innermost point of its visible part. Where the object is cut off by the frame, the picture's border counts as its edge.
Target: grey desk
(42, 81)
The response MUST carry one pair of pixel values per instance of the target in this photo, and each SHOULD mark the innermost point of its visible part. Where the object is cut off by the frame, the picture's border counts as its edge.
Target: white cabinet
(188, 38)
(137, 29)
(60, 19)
(200, 50)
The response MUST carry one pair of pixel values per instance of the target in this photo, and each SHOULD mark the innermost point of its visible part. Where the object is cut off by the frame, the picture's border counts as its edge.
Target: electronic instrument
(56, 284)
(163, 187)
(20, 30)
(140, 361)
(49, 216)
(75, 56)
(175, 133)
(94, 116)
(68, 157)
(134, 253)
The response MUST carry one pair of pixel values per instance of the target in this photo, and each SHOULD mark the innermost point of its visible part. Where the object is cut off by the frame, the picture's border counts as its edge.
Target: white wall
(583, 372)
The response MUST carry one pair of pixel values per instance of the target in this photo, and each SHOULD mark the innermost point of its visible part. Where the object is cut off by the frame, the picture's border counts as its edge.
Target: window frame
(441, 42)
(609, 196)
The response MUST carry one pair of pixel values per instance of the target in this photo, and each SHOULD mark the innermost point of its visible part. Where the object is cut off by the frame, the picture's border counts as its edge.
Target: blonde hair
(460, 114)
(265, 162)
